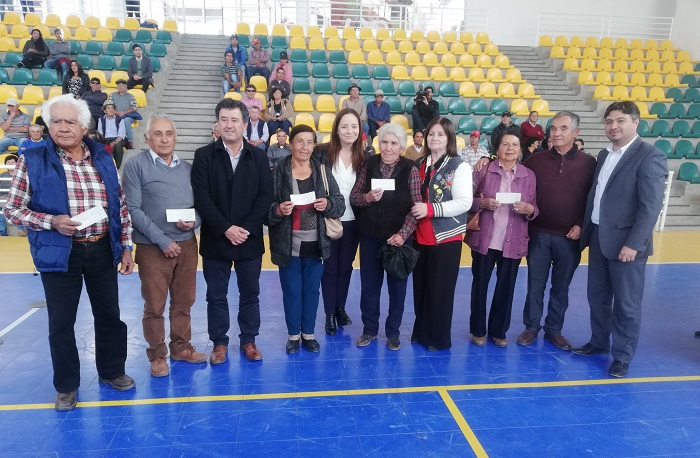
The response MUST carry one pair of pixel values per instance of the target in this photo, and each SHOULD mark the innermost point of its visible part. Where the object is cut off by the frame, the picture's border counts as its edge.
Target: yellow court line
(463, 425)
(361, 392)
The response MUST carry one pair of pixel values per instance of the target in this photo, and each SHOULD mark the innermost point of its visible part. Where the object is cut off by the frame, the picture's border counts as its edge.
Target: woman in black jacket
(35, 51)
(76, 80)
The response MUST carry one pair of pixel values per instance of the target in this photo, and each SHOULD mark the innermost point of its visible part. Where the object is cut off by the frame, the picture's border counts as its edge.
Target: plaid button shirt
(85, 190)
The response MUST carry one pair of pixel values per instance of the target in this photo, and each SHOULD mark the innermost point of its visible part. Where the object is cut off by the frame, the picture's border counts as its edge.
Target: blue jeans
(127, 126)
(301, 280)
(7, 142)
(264, 71)
(3, 224)
(51, 63)
(226, 86)
(272, 126)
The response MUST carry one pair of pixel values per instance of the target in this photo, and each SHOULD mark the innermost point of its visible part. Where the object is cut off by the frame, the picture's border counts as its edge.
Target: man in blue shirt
(378, 113)
(240, 55)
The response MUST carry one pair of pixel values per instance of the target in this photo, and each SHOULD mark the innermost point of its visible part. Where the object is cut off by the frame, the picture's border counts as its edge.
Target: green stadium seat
(156, 64)
(300, 69)
(693, 112)
(123, 35)
(695, 132)
(369, 98)
(301, 85)
(298, 55)
(695, 154)
(688, 171)
(381, 72)
(4, 77)
(675, 94)
(466, 125)
(12, 59)
(157, 50)
(323, 86)
(320, 71)
(448, 89)
(679, 129)
(106, 63)
(689, 80)
(366, 87)
(75, 47)
(243, 41)
(360, 72)
(85, 61)
(488, 124)
(22, 76)
(692, 94)
(660, 128)
(337, 57)
(442, 103)
(457, 106)
(94, 48)
(47, 77)
(643, 129)
(387, 87)
(498, 106)
(407, 88)
(318, 56)
(394, 104)
(676, 110)
(659, 109)
(682, 149)
(341, 71)
(408, 106)
(279, 42)
(697, 67)
(478, 106)
(342, 85)
(665, 146)
(144, 36)
(275, 54)
(114, 48)
(165, 37)
(124, 64)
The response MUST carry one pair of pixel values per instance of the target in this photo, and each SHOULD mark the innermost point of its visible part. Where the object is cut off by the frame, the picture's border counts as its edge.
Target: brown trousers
(160, 275)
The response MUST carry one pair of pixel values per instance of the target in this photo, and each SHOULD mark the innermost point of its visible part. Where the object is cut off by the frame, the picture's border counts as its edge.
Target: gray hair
(80, 106)
(155, 117)
(575, 119)
(393, 129)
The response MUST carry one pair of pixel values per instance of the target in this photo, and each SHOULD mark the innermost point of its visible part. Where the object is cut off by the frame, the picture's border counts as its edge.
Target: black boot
(342, 317)
(331, 327)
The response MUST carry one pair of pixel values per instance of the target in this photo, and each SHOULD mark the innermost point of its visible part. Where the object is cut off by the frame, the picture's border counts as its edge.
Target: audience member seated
(378, 113)
(280, 83)
(474, 151)
(215, 133)
(34, 51)
(278, 151)
(425, 109)
(284, 64)
(579, 143)
(256, 133)
(240, 55)
(530, 147)
(59, 54)
(10, 160)
(279, 112)
(95, 99)
(250, 100)
(530, 128)
(111, 131)
(125, 105)
(415, 151)
(257, 65)
(231, 74)
(75, 81)
(35, 140)
(354, 102)
(140, 70)
(367, 146)
(505, 127)
(15, 124)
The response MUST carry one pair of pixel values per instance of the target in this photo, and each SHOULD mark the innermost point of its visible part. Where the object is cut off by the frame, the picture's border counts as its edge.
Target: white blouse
(345, 177)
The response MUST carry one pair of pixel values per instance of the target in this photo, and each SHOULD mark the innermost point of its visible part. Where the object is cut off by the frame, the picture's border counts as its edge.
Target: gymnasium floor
(350, 401)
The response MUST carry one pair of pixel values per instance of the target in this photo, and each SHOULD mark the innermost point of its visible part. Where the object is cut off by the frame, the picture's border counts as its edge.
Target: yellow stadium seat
(388, 46)
(602, 93)
(589, 53)
(140, 97)
(639, 93)
(495, 75)
(108, 90)
(51, 20)
(457, 48)
(55, 91)
(37, 113)
(260, 82)
(325, 122)
(502, 62)
(430, 59)
(506, 91)
(591, 42)
(621, 66)
(375, 58)
(574, 51)
(233, 95)
(621, 79)
(546, 40)
(113, 23)
(607, 42)
(513, 76)
(466, 60)
(432, 36)
(683, 56)
(571, 64)
(476, 75)
(419, 73)
(637, 66)
(636, 43)
(448, 60)
(482, 37)
(73, 21)
(102, 77)
(261, 96)
(457, 74)
(620, 93)
(637, 54)
(402, 121)
(352, 44)
(399, 34)
(334, 44)
(92, 22)
(655, 79)
(19, 31)
(32, 19)
(103, 34)
(279, 30)
(330, 32)
(440, 48)
(370, 45)
(484, 61)
(366, 34)
(668, 55)
(399, 72)
(669, 67)
(313, 31)
(604, 78)
(300, 43)
(405, 46)
(302, 103)
(12, 18)
(260, 30)
(356, 57)
(585, 77)
(3, 30)
(394, 58)
(638, 79)
(657, 94)
(348, 33)
(519, 107)
(304, 119)
(576, 41)
(527, 91)
(169, 24)
(652, 54)
(671, 80)
(116, 75)
(411, 59)
(557, 52)
(422, 47)
(474, 48)
(542, 107)
(439, 74)
(132, 24)
(644, 111)
(326, 104)
(416, 35)
(622, 43)
(327, 138)
(449, 36)
(296, 30)
(666, 44)
(7, 44)
(22, 41)
(621, 54)
(651, 44)
(32, 95)
(342, 99)
(461, 143)
(382, 34)
(491, 49)
(561, 41)
(606, 53)
(466, 37)
(468, 89)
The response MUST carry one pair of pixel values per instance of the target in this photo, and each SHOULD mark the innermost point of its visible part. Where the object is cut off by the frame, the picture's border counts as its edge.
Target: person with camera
(425, 109)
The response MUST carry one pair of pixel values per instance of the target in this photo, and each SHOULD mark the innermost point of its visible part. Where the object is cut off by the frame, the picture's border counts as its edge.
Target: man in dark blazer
(622, 208)
(140, 69)
(232, 187)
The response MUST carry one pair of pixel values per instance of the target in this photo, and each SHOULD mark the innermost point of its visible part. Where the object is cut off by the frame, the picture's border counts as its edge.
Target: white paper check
(387, 184)
(507, 197)
(89, 217)
(303, 199)
(173, 215)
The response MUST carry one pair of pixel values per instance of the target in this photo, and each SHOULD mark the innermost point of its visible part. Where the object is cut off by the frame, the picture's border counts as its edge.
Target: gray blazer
(631, 202)
(146, 69)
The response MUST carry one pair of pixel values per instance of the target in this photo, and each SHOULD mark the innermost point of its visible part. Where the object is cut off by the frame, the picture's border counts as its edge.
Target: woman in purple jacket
(502, 240)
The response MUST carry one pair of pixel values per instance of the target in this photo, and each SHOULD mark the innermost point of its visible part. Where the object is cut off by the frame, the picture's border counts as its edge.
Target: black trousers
(434, 282)
(142, 84)
(337, 269)
(31, 60)
(117, 150)
(92, 263)
(502, 303)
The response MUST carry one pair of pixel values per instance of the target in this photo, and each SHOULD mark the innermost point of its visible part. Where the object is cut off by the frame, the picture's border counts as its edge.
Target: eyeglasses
(249, 90)
(94, 82)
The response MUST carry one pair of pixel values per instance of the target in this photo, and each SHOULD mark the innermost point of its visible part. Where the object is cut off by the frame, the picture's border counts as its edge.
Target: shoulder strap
(325, 179)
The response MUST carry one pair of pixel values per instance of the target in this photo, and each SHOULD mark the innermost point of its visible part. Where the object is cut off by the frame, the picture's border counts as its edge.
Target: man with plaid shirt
(51, 187)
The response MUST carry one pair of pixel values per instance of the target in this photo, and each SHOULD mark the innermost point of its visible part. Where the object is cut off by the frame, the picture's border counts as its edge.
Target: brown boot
(189, 355)
(159, 367)
(218, 356)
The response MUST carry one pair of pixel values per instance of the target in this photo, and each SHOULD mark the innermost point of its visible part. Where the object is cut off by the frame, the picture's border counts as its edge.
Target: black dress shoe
(122, 383)
(66, 401)
(619, 369)
(589, 350)
(311, 345)
(331, 327)
(342, 317)
(292, 346)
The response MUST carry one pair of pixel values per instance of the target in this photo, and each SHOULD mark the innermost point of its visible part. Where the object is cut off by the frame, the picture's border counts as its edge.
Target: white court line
(18, 321)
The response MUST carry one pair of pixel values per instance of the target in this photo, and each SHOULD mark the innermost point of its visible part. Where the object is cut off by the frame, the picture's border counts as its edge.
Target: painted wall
(685, 27)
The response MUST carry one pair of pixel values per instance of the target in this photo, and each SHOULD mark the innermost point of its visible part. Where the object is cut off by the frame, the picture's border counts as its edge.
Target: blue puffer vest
(51, 249)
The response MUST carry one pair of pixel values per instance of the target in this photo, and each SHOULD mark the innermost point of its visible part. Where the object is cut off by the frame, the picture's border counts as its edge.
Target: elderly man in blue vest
(67, 195)
(257, 133)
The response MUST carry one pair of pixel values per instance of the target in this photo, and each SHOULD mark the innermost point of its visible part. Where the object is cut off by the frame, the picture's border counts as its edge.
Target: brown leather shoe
(251, 352)
(218, 355)
(189, 355)
(478, 341)
(559, 341)
(500, 342)
(159, 367)
(66, 401)
(526, 337)
(121, 383)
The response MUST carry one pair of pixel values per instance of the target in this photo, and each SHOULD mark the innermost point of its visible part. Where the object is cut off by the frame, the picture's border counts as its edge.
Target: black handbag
(398, 261)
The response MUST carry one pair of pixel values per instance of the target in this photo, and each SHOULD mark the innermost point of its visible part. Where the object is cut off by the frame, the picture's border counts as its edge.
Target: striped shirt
(231, 70)
(85, 190)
